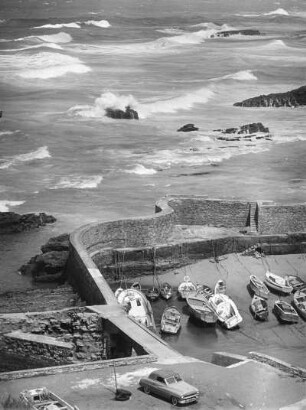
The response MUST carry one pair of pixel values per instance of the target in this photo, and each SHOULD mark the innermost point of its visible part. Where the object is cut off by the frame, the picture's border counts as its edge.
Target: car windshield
(171, 380)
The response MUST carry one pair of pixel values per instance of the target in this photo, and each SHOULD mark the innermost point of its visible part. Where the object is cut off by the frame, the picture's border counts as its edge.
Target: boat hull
(299, 302)
(259, 308)
(277, 283)
(170, 320)
(289, 315)
(258, 287)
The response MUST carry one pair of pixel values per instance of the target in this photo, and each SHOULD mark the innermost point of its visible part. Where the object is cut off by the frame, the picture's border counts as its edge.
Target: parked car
(170, 386)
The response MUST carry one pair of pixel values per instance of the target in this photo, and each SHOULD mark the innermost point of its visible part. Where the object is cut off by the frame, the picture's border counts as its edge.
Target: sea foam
(245, 75)
(141, 170)
(98, 23)
(40, 153)
(5, 205)
(57, 26)
(279, 12)
(78, 182)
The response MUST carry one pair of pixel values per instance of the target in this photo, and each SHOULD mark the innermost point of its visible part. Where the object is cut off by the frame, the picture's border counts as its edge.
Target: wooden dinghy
(259, 308)
(170, 320)
(201, 308)
(186, 287)
(285, 312)
(226, 310)
(153, 294)
(258, 287)
(277, 283)
(296, 282)
(299, 301)
(166, 291)
(44, 399)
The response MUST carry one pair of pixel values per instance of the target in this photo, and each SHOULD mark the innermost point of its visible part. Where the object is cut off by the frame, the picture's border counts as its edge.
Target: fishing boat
(186, 287)
(201, 308)
(285, 312)
(44, 399)
(220, 286)
(226, 310)
(170, 320)
(277, 283)
(295, 281)
(259, 308)
(299, 301)
(153, 294)
(166, 290)
(258, 287)
(137, 306)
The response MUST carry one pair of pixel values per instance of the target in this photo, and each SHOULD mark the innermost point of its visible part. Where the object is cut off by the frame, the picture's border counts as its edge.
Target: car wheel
(147, 390)
(174, 401)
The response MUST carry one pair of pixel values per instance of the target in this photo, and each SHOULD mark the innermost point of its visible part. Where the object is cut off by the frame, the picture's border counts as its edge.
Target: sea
(64, 62)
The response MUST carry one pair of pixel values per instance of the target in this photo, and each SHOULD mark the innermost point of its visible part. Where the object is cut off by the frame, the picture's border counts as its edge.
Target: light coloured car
(170, 386)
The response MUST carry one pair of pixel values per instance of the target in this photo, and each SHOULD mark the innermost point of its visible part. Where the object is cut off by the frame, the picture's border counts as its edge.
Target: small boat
(153, 294)
(295, 281)
(259, 308)
(44, 399)
(299, 301)
(170, 320)
(186, 287)
(166, 290)
(201, 308)
(137, 306)
(277, 283)
(285, 312)
(220, 286)
(258, 287)
(226, 310)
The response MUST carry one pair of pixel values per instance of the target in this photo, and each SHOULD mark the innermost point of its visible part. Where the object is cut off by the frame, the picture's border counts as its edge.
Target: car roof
(164, 373)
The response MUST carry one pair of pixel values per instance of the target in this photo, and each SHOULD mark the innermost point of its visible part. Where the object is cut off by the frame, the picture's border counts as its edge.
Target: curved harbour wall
(140, 245)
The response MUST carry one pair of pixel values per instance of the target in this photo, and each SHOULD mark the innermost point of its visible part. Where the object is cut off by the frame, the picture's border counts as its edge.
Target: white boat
(201, 308)
(166, 290)
(277, 283)
(220, 286)
(137, 306)
(285, 312)
(299, 301)
(44, 399)
(186, 287)
(170, 320)
(226, 310)
(259, 308)
(258, 287)
(205, 289)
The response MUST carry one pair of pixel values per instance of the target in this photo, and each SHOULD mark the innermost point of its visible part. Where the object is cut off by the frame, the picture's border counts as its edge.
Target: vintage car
(170, 386)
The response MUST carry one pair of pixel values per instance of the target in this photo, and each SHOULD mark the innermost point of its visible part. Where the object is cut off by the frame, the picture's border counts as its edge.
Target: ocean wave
(141, 170)
(2, 133)
(278, 12)
(6, 205)
(40, 153)
(245, 75)
(44, 45)
(43, 65)
(61, 37)
(275, 44)
(78, 182)
(98, 23)
(171, 105)
(62, 25)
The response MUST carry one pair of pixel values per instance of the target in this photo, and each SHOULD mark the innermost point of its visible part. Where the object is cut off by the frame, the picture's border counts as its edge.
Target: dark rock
(294, 98)
(128, 114)
(245, 132)
(243, 32)
(10, 222)
(57, 243)
(188, 128)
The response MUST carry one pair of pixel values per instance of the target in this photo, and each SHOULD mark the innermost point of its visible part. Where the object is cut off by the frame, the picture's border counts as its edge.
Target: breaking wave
(279, 12)
(5, 205)
(79, 182)
(141, 170)
(43, 65)
(2, 133)
(44, 45)
(98, 23)
(245, 75)
(55, 38)
(57, 26)
(171, 105)
(40, 153)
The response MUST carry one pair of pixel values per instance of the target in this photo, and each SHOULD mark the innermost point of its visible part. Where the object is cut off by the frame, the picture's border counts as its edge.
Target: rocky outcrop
(50, 265)
(245, 132)
(243, 32)
(128, 114)
(294, 98)
(188, 128)
(10, 222)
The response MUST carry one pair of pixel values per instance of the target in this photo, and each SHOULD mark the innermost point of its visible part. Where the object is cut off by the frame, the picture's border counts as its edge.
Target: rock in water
(294, 98)
(243, 32)
(10, 222)
(188, 128)
(128, 114)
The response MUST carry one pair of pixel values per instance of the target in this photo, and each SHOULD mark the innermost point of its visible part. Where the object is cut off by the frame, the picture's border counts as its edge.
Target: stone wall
(196, 210)
(86, 331)
(281, 218)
